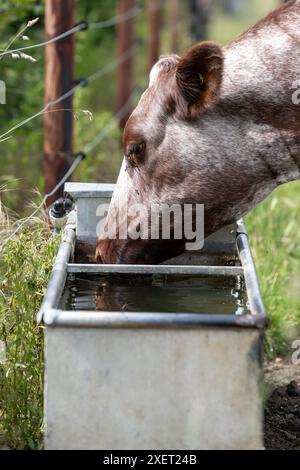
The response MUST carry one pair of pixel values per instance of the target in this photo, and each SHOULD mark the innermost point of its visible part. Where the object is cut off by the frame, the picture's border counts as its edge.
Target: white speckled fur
(234, 155)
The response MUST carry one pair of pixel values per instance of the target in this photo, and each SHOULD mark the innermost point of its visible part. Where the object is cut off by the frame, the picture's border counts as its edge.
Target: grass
(273, 227)
(23, 279)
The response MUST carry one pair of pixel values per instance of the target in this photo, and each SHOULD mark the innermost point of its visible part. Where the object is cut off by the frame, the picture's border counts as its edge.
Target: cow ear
(198, 79)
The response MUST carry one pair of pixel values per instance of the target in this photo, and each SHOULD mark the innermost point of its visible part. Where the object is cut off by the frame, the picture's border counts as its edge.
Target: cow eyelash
(133, 151)
(138, 147)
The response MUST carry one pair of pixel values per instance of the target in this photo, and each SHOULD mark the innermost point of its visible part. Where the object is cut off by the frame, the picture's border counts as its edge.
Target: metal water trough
(116, 380)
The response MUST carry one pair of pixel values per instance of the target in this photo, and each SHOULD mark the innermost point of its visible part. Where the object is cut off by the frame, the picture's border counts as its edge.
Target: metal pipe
(253, 292)
(90, 319)
(59, 273)
(155, 269)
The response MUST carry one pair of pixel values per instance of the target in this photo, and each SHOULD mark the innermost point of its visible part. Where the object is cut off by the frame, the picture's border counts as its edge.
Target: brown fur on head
(188, 86)
(198, 78)
(215, 127)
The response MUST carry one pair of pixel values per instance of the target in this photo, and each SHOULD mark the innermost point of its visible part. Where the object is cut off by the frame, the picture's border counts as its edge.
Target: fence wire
(81, 26)
(88, 147)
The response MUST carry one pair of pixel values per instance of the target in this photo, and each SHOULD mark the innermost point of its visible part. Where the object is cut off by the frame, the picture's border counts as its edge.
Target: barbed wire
(39, 113)
(99, 73)
(114, 64)
(113, 123)
(78, 158)
(116, 19)
(80, 26)
(45, 43)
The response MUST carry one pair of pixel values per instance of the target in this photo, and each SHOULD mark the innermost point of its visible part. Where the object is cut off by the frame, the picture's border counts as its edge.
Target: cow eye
(134, 152)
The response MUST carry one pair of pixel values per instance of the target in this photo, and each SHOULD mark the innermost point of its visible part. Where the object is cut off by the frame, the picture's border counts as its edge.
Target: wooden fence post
(154, 15)
(59, 78)
(173, 8)
(125, 41)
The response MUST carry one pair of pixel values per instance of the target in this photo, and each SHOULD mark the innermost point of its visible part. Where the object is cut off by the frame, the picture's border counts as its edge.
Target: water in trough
(155, 293)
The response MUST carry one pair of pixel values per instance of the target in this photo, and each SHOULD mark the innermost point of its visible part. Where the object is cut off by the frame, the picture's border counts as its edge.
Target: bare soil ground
(282, 410)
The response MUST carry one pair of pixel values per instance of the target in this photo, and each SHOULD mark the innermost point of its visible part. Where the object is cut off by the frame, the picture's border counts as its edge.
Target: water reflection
(153, 293)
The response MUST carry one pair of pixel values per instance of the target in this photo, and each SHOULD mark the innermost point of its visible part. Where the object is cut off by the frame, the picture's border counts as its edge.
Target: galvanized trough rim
(154, 269)
(87, 190)
(101, 319)
(52, 316)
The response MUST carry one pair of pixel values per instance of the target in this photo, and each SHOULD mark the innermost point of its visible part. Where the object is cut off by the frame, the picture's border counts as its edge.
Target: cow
(218, 127)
